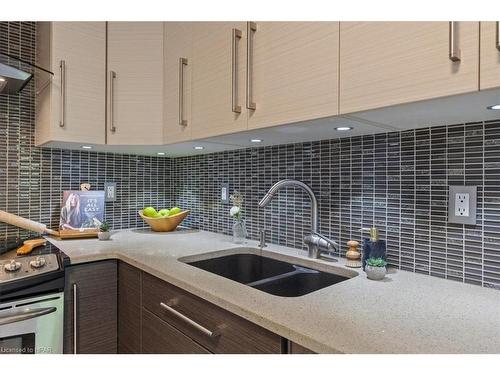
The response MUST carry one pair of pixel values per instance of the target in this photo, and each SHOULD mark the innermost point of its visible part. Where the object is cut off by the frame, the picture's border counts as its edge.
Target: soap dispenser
(373, 247)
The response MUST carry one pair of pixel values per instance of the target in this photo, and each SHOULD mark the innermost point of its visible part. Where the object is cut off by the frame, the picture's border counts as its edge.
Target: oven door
(32, 326)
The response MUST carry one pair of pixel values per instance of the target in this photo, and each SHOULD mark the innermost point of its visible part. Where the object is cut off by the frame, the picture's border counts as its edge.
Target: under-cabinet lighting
(255, 140)
(160, 153)
(494, 107)
(87, 147)
(343, 128)
(198, 147)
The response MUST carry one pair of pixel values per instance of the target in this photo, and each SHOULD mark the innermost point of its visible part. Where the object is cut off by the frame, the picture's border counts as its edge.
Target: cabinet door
(71, 107)
(293, 72)
(129, 309)
(214, 69)
(178, 78)
(135, 83)
(490, 55)
(294, 348)
(388, 63)
(159, 337)
(94, 311)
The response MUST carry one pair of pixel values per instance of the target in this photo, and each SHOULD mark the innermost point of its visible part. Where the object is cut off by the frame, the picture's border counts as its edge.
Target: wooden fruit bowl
(166, 223)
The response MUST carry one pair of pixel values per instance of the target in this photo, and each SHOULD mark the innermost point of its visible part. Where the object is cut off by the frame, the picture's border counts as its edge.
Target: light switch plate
(462, 201)
(224, 193)
(110, 191)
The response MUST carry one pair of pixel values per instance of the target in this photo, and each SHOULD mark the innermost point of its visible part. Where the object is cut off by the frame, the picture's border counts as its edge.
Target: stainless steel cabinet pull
(182, 62)
(498, 36)
(112, 76)
(251, 28)
(75, 318)
(62, 67)
(191, 322)
(234, 71)
(454, 51)
(25, 315)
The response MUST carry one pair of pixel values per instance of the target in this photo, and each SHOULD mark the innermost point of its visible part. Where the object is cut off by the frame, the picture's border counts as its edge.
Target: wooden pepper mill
(353, 255)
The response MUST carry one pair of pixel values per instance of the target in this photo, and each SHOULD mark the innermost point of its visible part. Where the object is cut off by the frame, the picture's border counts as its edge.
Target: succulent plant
(376, 262)
(104, 227)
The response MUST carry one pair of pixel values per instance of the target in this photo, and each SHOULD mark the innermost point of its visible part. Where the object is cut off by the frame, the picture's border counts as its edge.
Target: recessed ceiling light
(494, 107)
(255, 140)
(198, 147)
(343, 128)
(160, 153)
(87, 147)
(2, 79)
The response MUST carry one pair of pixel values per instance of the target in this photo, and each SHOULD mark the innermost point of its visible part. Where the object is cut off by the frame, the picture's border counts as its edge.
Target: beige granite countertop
(405, 313)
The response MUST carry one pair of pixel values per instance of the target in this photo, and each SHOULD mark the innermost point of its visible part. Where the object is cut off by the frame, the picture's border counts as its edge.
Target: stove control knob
(39, 262)
(12, 266)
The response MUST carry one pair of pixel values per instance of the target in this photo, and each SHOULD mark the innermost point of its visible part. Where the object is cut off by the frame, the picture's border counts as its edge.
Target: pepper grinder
(353, 255)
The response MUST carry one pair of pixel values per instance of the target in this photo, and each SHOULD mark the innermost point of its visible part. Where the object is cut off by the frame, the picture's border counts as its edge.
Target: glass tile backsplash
(397, 181)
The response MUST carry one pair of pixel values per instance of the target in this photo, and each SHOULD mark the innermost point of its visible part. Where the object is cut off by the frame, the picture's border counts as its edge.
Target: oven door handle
(25, 315)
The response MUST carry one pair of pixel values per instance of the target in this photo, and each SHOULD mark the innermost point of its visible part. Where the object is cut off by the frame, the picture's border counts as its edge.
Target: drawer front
(159, 337)
(198, 318)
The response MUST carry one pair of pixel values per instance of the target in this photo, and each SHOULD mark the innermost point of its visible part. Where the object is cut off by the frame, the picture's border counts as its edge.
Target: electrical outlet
(110, 191)
(462, 202)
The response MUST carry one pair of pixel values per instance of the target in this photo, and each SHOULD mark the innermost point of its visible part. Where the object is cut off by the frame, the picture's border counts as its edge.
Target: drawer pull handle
(182, 63)
(191, 322)
(236, 35)
(251, 29)
(62, 67)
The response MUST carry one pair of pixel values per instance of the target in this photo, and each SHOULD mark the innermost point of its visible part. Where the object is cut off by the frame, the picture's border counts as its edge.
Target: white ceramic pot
(375, 273)
(104, 236)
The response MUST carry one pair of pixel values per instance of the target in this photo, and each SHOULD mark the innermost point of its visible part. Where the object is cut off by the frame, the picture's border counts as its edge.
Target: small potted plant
(375, 268)
(104, 233)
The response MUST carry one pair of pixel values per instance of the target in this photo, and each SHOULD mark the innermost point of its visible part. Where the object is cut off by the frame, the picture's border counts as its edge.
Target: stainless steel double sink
(285, 277)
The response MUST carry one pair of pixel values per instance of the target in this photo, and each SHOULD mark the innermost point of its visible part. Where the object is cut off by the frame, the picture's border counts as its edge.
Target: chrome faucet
(316, 243)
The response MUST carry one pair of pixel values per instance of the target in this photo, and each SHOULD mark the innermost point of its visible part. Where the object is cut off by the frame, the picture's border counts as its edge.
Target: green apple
(149, 212)
(164, 212)
(174, 211)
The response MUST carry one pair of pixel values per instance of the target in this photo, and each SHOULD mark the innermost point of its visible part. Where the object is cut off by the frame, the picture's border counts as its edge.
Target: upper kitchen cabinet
(292, 72)
(70, 107)
(219, 54)
(135, 83)
(178, 60)
(388, 63)
(490, 55)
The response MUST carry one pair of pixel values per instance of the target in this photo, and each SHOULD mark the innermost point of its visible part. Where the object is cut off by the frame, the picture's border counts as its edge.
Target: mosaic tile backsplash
(397, 181)
(32, 179)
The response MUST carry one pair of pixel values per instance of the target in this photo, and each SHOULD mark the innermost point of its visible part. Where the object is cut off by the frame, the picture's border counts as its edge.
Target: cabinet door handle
(236, 36)
(251, 29)
(182, 62)
(62, 68)
(112, 77)
(75, 318)
(454, 51)
(497, 42)
(190, 321)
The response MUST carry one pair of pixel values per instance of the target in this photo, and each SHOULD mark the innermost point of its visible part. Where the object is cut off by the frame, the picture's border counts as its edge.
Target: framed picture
(82, 210)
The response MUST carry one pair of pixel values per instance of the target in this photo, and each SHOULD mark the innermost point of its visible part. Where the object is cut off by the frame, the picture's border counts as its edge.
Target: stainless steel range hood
(15, 73)
(12, 80)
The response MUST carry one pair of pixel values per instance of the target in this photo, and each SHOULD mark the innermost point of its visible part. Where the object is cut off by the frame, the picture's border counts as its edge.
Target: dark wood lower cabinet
(129, 309)
(121, 309)
(294, 348)
(214, 328)
(92, 315)
(159, 337)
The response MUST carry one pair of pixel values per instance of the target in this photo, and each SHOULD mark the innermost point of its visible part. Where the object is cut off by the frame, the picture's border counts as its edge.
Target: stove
(31, 299)
(41, 271)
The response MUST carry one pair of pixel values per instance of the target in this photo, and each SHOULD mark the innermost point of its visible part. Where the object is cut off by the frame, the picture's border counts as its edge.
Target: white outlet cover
(462, 201)
(462, 204)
